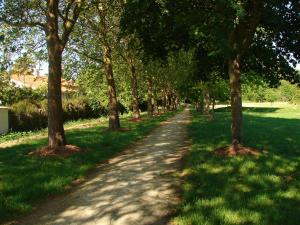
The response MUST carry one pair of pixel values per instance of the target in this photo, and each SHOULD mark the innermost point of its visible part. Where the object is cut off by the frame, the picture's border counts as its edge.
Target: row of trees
(230, 37)
(179, 49)
(86, 35)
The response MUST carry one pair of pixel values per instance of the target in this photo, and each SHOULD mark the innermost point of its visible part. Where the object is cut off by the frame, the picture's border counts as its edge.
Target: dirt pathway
(136, 188)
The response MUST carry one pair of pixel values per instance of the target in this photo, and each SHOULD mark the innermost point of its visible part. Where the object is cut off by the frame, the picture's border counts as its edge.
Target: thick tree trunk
(56, 134)
(150, 97)
(114, 121)
(134, 93)
(236, 99)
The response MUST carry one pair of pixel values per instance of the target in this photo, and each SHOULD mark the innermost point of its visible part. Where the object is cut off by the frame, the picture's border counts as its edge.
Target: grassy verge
(20, 136)
(244, 190)
(25, 180)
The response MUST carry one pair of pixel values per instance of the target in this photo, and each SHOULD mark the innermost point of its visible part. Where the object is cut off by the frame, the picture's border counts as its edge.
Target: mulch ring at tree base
(62, 151)
(237, 151)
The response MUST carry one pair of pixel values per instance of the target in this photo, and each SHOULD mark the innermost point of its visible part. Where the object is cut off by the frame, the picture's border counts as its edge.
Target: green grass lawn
(244, 190)
(26, 180)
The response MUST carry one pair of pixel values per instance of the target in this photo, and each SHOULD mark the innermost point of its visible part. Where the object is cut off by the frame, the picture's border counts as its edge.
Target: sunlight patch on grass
(291, 193)
(263, 200)
(242, 216)
(260, 190)
(210, 203)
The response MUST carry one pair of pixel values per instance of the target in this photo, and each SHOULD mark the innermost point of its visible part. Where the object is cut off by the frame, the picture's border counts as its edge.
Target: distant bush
(271, 95)
(32, 115)
(27, 115)
(10, 94)
(289, 92)
(80, 108)
(261, 92)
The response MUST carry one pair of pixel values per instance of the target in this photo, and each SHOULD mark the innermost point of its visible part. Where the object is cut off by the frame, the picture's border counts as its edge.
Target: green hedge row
(32, 115)
(286, 92)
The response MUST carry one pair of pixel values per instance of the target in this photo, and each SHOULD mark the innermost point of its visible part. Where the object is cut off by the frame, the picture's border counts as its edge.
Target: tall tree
(99, 27)
(57, 19)
(127, 49)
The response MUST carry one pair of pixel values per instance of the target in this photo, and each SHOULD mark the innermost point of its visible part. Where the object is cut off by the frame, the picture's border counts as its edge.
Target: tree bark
(150, 97)
(206, 103)
(168, 105)
(163, 101)
(113, 114)
(154, 103)
(236, 99)
(134, 93)
(56, 134)
(114, 121)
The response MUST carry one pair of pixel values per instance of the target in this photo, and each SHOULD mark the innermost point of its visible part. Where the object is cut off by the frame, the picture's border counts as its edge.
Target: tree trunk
(134, 92)
(154, 103)
(236, 99)
(114, 121)
(167, 102)
(56, 134)
(206, 103)
(177, 102)
(149, 98)
(164, 101)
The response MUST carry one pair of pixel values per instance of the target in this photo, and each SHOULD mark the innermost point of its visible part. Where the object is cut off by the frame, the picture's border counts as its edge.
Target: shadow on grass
(243, 190)
(250, 109)
(25, 180)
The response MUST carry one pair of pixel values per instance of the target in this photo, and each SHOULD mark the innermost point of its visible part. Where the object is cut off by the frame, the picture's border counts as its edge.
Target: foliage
(80, 108)
(28, 115)
(23, 66)
(289, 92)
(92, 84)
(255, 89)
(243, 190)
(258, 30)
(10, 94)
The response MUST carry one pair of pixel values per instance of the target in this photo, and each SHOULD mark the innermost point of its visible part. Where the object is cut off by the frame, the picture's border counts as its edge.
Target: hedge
(32, 115)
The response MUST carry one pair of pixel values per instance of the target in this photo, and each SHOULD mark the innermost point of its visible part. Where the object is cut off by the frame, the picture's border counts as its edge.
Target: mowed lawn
(248, 190)
(25, 180)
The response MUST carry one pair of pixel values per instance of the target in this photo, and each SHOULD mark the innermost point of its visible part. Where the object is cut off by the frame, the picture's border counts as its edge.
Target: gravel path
(135, 188)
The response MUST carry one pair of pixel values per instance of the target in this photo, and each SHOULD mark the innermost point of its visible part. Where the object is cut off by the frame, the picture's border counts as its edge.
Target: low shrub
(32, 115)
(261, 92)
(79, 108)
(27, 115)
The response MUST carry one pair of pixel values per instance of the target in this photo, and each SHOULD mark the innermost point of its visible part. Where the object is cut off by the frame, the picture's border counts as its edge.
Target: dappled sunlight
(137, 187)
(243, 190)
(26, 179)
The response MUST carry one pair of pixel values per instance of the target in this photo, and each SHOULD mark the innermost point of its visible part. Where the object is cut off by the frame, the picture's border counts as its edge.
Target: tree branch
(70, 21)
(93, 58)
